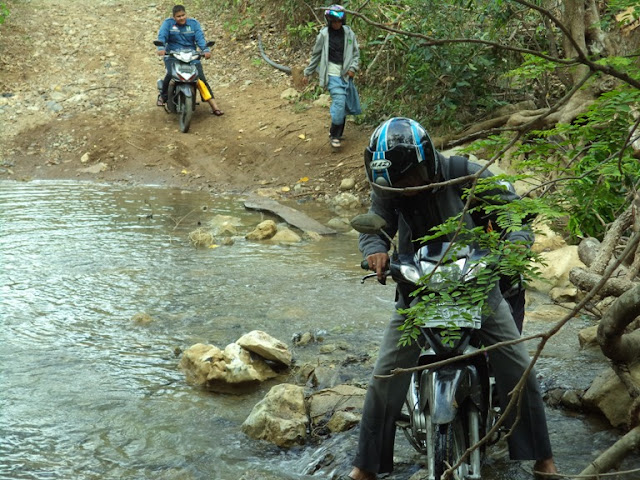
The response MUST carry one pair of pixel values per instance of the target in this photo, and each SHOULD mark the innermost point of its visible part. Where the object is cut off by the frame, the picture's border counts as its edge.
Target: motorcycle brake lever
(382, 281)
(368, 276)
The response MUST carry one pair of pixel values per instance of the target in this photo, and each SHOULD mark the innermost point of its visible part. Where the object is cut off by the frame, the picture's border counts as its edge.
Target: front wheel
(449, 445)
(185, 108)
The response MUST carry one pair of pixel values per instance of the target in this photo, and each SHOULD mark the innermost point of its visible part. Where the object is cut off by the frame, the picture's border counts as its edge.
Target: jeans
(338, 90)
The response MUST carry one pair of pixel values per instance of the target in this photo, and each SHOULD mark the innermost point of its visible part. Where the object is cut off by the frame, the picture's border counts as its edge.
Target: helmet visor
(387, 167)
(334, 15)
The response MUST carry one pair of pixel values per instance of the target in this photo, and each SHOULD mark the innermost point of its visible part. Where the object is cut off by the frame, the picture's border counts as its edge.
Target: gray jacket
(320, 56)
(413, 217)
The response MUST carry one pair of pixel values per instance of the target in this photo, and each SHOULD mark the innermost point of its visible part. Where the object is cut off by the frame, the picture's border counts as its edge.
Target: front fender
(185, 88)
(446, 388)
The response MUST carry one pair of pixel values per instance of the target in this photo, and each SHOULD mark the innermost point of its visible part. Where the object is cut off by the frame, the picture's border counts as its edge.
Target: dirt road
(77, 101)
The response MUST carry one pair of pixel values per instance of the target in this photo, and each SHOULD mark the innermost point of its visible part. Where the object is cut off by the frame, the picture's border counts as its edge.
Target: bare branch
(629, 140)
(613, 456)
(611, 240)
(525, 127)
(434, 42)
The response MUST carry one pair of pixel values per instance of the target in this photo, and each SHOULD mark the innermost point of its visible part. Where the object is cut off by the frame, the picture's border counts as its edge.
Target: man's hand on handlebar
(207, 55)
(162, 52)
(379, 263)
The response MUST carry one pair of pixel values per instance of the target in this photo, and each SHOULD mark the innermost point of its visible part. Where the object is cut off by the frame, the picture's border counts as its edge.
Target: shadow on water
(88, 393)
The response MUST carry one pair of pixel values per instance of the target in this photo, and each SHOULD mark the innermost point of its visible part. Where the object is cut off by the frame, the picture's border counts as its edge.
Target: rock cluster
(255, 357)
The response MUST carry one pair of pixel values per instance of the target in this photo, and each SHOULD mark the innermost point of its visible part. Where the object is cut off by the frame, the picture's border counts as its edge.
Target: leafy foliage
(594, 174)
(4, 12)
(441, 74)
(506, 259)
(299, 34)
(443, 85)
(530, 70)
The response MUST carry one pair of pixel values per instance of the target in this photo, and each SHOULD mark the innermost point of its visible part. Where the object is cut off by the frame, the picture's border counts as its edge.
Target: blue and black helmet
(335, 12)
(398, 148)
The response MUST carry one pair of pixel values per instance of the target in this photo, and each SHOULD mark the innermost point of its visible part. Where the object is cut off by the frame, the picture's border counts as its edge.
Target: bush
(4, 12)
(595, 175)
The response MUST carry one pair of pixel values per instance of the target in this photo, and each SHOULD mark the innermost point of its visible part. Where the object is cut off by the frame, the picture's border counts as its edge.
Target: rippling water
(87, 393)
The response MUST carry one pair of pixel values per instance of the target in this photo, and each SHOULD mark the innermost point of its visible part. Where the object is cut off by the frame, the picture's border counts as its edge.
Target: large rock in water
(283, 416)
(332, 404)
(263, 231)
(555, 274)
(266, 346)
(280, 417)
(208, 366)
(610, 396)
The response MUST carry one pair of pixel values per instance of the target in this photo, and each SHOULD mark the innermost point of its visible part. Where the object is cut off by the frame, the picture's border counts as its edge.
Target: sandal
(546, 476)
(160, 102)
(335, 142)
(217, 113)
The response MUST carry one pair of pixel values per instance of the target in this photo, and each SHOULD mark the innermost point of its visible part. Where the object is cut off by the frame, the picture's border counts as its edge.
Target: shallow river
(88, 393)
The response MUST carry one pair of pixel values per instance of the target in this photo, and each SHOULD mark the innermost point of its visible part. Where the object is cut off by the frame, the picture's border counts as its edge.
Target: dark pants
(384, 399)
(168, 62)
(513, 293)
(516, 304)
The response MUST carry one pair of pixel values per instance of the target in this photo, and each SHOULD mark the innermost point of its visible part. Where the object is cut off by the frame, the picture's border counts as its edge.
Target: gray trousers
(384, 399)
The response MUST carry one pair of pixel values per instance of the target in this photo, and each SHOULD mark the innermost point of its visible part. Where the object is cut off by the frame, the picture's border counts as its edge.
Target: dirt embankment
(77, 101)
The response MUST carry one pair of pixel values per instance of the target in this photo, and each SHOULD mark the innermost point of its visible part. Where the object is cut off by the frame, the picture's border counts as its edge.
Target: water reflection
(88, 393)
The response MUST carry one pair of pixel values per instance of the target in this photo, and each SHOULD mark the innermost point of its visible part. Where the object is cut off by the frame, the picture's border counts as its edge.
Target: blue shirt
(182, 37)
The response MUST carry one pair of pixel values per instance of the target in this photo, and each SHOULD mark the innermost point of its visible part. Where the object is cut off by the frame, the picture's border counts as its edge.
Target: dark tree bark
(617, 345)
(586, 280)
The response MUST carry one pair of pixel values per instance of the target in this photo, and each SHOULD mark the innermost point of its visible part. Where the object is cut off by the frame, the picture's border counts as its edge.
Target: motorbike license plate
(454, 315)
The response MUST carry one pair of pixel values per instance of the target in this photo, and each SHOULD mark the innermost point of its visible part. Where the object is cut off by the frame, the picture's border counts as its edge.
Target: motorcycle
(184, 83)
(452, 407)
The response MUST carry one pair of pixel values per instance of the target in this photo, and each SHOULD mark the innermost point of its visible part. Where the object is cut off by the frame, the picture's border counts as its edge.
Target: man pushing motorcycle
(179, 33)
(399, 160)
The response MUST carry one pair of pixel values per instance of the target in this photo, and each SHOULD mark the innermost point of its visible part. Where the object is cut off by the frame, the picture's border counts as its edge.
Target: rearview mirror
(369, 223)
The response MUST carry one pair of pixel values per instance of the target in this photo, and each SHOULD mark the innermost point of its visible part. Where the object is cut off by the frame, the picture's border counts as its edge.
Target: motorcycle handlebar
(199, 54)
(365, 266)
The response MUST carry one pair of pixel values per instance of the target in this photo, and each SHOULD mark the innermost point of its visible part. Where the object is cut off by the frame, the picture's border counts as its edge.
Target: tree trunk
(611, 239)
(585, 280)
(588, 250)
(574, 20)
(617, 345)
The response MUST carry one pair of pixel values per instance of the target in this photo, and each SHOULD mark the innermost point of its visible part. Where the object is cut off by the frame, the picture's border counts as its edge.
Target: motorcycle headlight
(474, 270)
(446, 274)
(410, 272)
(186, 69)
(186, 72)
(184, 56)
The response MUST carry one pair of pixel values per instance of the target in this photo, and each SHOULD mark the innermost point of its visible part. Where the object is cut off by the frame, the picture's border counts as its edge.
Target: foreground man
(400, 155)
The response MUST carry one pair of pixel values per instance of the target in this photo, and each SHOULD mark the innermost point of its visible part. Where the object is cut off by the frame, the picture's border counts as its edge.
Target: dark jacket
(412, 217)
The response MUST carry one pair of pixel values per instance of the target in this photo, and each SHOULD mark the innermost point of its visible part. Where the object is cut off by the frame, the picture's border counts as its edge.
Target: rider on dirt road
(179, 33)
